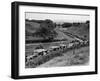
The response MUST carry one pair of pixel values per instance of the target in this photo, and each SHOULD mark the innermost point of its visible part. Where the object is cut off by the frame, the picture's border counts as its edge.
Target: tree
(66, 25)
(46, 30)
(88, 21)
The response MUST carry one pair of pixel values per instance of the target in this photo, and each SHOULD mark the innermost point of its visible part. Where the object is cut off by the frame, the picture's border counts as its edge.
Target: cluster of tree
(46, 30)
(88, 23)
(76, 24)
(37, 21)
(66, 25)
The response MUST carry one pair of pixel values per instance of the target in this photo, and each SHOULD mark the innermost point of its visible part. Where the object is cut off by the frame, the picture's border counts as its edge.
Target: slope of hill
(82, 30)
(32, 27)
(81, 57)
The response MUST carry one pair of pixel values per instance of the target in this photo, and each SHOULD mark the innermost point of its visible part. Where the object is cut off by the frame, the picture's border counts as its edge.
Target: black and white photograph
(50, 40)
(56, 40)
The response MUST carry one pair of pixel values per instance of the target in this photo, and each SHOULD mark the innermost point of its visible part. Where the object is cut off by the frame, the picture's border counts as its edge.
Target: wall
(5, 41)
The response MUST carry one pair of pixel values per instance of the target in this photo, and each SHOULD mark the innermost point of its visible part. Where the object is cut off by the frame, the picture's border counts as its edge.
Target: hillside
(33, 26)
(81, 30)
(81, 57)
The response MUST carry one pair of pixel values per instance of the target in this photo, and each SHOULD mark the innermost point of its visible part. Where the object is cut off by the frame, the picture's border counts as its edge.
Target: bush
(65, 25)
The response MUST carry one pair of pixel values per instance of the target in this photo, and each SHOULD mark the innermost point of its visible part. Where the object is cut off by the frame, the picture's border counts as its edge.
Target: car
(36, 53)
(70, 45)
(54, 48)
(40, 52)
(28, 58)
(62, 46)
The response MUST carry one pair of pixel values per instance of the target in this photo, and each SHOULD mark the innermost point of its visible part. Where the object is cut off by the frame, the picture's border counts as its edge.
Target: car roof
(39, 50)
(54, 47)
(62, 45)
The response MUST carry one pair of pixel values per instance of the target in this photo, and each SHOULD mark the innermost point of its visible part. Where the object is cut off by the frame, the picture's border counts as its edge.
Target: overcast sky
(57, 17)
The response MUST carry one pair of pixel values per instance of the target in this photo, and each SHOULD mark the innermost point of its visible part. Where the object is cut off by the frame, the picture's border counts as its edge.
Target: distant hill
(81, 30)
(33, 25)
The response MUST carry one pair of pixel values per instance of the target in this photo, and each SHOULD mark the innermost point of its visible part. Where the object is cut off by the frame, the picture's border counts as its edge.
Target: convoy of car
(56, 49)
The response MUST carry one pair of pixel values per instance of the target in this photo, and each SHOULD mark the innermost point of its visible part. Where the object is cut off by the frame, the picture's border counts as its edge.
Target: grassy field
(74, 57)
(81, 30)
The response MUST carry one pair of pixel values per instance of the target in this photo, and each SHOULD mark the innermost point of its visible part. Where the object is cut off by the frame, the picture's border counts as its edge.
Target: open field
(74, 57)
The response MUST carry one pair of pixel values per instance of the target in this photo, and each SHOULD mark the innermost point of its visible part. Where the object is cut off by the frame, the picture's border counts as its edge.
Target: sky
(57, 17)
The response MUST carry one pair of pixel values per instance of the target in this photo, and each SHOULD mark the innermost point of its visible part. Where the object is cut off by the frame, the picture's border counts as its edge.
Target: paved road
(67, 35)
(62, 35)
